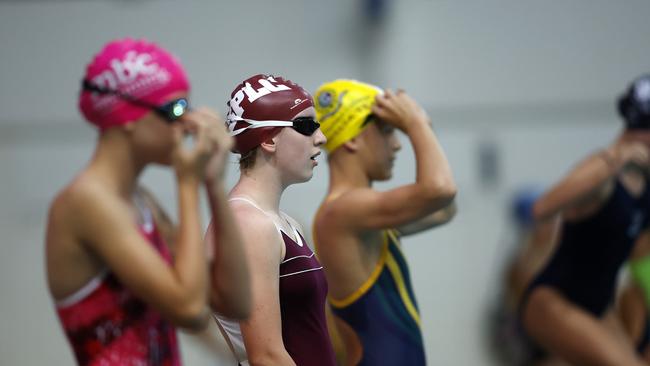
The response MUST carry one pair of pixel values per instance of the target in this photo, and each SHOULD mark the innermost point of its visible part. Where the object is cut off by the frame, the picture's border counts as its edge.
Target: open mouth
(313, 157)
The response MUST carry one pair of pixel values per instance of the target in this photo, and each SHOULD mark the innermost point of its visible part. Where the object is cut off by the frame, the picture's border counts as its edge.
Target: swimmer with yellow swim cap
(357, 228)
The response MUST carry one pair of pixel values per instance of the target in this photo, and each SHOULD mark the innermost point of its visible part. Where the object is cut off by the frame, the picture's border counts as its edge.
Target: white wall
(537, 79)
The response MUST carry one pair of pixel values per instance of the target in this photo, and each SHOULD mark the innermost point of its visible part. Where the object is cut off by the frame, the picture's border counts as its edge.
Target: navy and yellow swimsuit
(383, 312)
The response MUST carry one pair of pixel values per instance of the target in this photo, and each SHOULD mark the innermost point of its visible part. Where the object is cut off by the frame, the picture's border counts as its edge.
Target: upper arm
(366, 208)
(437, 218)
(107, 227)
(262, 330)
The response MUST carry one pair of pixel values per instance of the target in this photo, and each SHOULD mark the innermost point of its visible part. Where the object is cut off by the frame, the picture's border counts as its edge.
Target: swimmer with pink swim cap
(273, 123)
(118, 289)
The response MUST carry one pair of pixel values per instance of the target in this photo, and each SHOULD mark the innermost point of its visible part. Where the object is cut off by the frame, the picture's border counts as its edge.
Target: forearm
(583, 182)
(230, 275)
(190, 265)
(432, 168)
(262, 331)
(270, 357)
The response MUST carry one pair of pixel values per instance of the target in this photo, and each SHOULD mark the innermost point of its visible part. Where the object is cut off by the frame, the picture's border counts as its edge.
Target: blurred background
(518, 91)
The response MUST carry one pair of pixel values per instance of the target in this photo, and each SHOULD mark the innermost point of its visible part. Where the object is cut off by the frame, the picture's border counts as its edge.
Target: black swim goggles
(303, 125)
(171, 111)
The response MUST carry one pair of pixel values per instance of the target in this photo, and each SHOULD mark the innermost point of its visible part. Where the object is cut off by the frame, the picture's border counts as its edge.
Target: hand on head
(631, 150)
(398, 109)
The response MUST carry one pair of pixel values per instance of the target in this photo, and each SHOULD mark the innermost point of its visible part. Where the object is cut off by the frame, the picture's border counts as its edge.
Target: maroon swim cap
(260, 106)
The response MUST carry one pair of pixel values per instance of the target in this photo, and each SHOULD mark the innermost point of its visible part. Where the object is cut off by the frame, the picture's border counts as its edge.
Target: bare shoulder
(77, 199)
(59, 221)
(258, 231)
(334, 223)
(94, 209)
(72, 219)
(336, 212)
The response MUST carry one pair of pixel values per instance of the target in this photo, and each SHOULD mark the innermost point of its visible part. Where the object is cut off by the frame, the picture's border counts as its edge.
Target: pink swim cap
(260, 106)
(138, 68)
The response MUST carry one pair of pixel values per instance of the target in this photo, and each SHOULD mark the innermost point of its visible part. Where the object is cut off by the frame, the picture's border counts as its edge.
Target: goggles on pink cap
(171, 111)
(261, 105)
(129, 78)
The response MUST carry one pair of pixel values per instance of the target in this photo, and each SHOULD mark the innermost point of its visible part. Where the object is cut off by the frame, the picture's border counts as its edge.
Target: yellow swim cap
(342, 107)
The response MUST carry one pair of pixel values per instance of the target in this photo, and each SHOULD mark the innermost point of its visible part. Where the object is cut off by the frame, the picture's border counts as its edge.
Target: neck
(262, 184)
(346, 173)
(115, 164)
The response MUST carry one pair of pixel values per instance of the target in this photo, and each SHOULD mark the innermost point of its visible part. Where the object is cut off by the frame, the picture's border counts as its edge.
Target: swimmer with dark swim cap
(634, 107)
(118, 290)
(604, 208)
(357, 229)
(273, 122)
(634, 104)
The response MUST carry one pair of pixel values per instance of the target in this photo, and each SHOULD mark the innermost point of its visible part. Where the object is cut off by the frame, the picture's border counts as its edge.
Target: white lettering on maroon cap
(269, 85)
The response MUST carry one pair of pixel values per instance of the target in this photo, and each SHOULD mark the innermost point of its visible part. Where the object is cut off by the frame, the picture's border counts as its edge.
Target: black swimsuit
(586, 262)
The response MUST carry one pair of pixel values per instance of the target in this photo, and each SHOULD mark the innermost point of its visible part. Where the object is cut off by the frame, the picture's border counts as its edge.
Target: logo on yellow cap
(342, 106)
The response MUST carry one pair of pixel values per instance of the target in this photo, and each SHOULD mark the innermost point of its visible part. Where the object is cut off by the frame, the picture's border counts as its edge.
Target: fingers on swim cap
(342, 107)
(139, 68)
(263, 100)
(634, 104)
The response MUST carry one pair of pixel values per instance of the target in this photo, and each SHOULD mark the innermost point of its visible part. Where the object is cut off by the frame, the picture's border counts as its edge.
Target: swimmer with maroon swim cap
(274, 125)
(119, 293)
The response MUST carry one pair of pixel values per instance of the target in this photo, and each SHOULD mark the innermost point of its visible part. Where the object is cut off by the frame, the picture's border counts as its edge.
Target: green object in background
(640, 269)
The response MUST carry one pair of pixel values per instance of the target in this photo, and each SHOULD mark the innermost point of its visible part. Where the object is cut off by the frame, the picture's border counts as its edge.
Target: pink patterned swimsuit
(107, 325)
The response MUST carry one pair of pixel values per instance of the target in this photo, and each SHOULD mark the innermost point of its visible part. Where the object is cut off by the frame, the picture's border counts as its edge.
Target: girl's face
(153, 137)
(379, 148)
(296, 152)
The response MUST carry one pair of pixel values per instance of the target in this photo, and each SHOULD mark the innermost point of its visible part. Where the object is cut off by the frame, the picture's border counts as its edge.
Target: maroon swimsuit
(303, 291)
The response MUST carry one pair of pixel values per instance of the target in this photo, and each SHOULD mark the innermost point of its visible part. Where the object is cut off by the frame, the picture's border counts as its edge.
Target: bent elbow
(449, 212)
(449, 192)
(441, 193)
(453, 208)
(192, 317)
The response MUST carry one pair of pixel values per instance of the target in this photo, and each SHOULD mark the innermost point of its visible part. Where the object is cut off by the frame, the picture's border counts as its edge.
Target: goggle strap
(91, 87)
(257, 124)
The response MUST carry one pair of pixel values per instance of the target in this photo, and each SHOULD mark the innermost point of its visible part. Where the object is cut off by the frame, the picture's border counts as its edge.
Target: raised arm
(588, 185)
(178, 290)
(262, 331)
(230, 282)
(434, 187)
